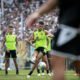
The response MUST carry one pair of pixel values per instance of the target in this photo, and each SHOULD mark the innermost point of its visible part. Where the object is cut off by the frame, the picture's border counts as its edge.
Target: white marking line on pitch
(69, 74)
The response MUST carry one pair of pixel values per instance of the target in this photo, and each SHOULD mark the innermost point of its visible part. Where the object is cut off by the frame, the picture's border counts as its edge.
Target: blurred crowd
(15, 14)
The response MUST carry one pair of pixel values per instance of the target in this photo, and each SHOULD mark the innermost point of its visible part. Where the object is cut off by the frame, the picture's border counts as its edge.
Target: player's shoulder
(14, 35)
(46, 31)
(6, 34)
(35, 31)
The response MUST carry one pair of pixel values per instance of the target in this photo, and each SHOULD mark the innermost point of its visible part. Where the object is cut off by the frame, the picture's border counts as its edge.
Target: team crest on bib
(41, 33)
(13, 37)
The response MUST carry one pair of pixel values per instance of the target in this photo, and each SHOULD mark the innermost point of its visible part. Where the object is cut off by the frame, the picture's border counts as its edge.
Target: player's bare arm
(3, 45)
(47, 41)
(17, 43)
(48, 6)
(33, 41)
(29, 40)
(48, 34)
(45, 8)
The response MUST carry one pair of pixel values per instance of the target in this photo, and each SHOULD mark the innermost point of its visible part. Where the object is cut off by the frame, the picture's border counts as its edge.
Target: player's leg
(7, 56)
(44, 58)
(76, 65)
(58, 66)
(6, 66)
(15, 61)
(34, 56)
(16, 65)
(38, 70)
(49, 62)
(36, 63)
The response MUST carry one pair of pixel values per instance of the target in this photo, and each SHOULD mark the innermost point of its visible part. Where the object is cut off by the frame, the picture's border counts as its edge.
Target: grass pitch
(23, 75)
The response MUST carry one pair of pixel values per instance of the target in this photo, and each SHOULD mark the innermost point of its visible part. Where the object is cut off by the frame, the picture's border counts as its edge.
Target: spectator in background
(13, 14)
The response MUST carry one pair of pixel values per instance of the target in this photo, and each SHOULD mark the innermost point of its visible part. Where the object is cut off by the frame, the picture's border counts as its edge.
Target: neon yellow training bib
(41, 42)
(49, 45)
(11, 42)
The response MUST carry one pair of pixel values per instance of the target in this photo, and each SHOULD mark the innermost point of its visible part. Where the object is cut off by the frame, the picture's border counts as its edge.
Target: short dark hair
(41, 22)
(10, 26)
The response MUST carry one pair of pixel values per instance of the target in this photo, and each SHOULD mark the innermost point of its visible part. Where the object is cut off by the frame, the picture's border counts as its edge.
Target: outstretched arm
(45, 8)
(49, 34)
(29, 39)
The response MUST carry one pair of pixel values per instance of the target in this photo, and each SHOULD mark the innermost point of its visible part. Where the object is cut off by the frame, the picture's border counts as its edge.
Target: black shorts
(67, 42)
(11, 54)
(48, 54)
(40, 49)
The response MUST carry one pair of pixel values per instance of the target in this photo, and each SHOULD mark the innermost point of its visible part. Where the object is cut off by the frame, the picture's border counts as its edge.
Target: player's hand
(33, 41)
(50, 35)
(37, 38)
(33, 45)
(2, 46)
(17, 51)
(32, 19)
(7, 50)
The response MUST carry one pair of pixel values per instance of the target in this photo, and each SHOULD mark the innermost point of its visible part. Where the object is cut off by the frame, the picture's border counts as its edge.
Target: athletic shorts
(67, 42)
(11, 54)
(40, 49)
(48, 54)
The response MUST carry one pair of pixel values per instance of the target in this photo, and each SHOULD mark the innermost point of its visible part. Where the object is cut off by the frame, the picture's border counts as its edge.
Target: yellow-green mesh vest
(11, 42)
(41, 42)
(49, 45)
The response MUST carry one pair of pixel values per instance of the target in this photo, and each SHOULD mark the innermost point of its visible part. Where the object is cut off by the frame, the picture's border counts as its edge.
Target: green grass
(23, 73)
